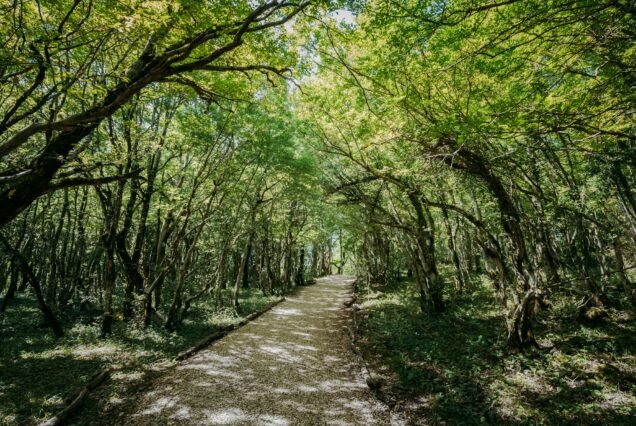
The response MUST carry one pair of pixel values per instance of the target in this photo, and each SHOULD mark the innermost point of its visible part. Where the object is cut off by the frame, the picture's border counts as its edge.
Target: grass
(38, 372)
(452, 368)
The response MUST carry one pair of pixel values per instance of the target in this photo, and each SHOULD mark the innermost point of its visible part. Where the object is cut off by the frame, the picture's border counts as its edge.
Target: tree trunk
(300, 270)
(426, 253)
(35, 285)
(241, 272)
(628, 286)
(13, 286)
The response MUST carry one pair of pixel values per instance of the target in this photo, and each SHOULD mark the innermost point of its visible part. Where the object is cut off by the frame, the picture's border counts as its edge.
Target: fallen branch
(206, 341)
(77, 399)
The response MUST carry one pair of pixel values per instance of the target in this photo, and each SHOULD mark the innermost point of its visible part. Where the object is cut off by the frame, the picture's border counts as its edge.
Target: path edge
(373, 381)
(78, 397)
(223, 331)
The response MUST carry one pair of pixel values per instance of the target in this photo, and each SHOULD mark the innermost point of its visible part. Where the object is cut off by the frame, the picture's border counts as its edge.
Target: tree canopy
(154, 154)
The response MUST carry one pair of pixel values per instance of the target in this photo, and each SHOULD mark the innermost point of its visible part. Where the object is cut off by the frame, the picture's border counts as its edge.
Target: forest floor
(292, 366)
(38, 372)
(452, 368)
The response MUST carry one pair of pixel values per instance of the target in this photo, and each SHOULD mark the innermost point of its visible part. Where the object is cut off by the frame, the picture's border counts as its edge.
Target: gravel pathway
(291, 366)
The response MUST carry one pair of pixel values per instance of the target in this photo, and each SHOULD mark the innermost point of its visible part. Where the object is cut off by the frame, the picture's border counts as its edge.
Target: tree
(174, 48)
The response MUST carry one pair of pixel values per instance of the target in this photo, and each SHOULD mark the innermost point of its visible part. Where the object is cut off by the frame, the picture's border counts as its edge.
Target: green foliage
(39, 373)
(452, 368)
(157, 156)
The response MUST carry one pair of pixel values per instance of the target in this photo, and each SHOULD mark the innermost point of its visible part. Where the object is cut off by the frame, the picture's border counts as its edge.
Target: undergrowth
(38, 372)
(452, 368)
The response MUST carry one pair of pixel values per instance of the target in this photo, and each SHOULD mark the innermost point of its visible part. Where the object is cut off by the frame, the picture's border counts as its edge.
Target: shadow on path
(291, 366)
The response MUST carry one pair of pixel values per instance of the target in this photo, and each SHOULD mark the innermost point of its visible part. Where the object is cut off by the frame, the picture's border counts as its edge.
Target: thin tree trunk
(35, 285)
(628, 286)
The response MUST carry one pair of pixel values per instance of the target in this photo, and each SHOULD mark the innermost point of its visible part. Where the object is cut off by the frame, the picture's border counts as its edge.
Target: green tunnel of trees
(154, 154)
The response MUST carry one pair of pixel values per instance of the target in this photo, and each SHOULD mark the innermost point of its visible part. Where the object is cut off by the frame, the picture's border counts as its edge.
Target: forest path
(291, 366)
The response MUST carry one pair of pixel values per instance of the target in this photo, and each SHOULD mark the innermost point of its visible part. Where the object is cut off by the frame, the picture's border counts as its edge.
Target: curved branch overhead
(170, 168)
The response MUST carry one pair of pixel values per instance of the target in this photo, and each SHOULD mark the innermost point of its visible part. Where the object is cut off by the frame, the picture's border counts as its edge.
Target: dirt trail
(291, 366)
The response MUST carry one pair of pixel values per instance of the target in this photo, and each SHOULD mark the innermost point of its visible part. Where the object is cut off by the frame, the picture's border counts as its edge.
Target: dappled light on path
(291, 366)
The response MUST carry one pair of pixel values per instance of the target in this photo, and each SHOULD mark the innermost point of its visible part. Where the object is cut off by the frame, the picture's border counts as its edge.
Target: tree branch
(68, 183)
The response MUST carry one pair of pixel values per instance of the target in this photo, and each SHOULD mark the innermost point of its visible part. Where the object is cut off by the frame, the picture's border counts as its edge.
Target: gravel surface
(291, 366)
